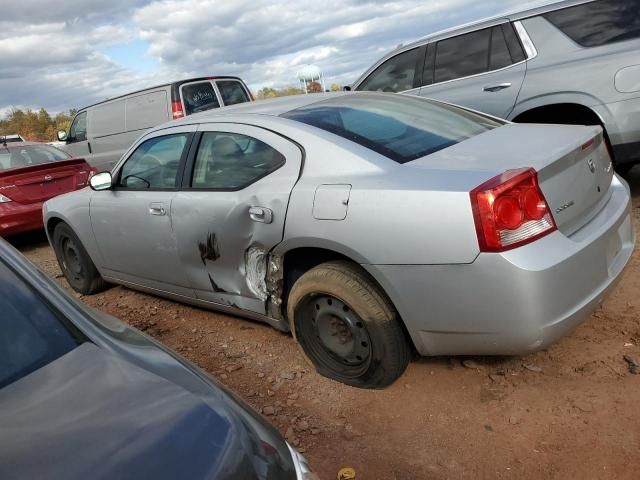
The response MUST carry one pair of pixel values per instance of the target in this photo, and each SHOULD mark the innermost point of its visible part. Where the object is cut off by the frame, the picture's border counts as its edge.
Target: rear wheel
(346, 327)
(75, 263)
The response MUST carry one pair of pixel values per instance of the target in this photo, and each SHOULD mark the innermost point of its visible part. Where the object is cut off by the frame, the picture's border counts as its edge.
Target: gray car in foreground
(570, 62)
(368, 224)
(84, 395)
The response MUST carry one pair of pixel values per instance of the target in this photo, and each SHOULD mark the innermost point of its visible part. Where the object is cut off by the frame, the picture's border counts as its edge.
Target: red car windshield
(26, 155)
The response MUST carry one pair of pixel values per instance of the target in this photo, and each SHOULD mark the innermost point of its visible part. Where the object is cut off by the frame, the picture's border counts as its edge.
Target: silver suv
(573, 62)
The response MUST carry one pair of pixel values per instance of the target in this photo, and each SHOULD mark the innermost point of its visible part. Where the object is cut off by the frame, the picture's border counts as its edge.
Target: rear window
(27, 155)
(400, 127)
(31, 336)
(599, 23)
(198, 97)
(232, 92)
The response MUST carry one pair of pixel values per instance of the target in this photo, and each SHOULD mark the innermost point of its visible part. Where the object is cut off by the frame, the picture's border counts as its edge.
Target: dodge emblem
(592, 166)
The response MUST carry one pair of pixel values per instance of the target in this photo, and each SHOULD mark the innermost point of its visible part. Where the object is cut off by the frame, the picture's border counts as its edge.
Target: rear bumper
(18, 218)
(518, 301)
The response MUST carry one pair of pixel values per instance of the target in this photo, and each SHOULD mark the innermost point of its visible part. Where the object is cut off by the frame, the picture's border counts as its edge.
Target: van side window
(462, 56)
(78, 130)
(231, 161)
(598, 23)
(199, 97)
(154, 164)
(394, 75)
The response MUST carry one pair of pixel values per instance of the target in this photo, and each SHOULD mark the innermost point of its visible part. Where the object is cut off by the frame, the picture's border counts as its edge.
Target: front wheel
(346, 327)
(74, 261)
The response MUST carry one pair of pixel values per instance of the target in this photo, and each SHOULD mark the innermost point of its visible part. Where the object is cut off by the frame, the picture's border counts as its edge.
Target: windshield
(27, 155)
(31, 336)
(400, 127)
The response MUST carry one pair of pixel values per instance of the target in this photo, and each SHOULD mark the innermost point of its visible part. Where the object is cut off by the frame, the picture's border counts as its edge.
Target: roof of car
(271, 106)
(22, 144)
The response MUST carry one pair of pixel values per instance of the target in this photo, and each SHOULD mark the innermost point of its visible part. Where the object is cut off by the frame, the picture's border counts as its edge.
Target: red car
(30, 174)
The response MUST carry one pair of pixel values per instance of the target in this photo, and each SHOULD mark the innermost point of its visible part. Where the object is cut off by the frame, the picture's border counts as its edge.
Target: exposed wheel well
(567, 114)
(300, 260)
(560, 113)
(52, 224)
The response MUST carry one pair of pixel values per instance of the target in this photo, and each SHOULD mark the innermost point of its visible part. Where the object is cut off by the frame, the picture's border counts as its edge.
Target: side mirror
(347, 88)
(62, 135)
(100, 181)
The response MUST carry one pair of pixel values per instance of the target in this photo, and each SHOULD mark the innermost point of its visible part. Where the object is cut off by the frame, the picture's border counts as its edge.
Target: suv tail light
(176, 109)
(510, 210)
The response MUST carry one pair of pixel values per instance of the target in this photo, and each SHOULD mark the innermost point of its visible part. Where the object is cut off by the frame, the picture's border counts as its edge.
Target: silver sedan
(369, 225)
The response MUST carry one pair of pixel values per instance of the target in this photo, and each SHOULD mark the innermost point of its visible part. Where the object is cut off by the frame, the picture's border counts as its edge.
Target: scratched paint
(209, 249)
(255, 260)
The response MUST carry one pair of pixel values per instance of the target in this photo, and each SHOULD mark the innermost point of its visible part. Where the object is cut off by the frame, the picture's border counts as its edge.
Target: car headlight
(303, 471)
(4, 199)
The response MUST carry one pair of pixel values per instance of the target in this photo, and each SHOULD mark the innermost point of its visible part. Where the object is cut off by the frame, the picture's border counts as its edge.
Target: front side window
(230, 161)
(402, 128)
(154, 164)
(31, 335)
(232, 92)
(198, 97)
(78, 130)
(394, 75)
(27, 155)
(599, 23)
(462, 56)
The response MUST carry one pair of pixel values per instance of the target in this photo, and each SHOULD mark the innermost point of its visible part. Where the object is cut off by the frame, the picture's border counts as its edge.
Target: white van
(101, 133)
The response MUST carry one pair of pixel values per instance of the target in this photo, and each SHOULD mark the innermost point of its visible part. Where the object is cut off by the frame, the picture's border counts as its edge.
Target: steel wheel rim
(334, 335)
(71, 258)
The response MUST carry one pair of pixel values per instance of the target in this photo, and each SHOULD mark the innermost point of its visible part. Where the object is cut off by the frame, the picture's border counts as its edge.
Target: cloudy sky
(71, 53)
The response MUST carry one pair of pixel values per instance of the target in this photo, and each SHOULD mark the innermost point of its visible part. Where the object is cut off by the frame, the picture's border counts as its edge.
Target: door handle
(157, 209)
(89, 146)
(497, 88)
(261, 214)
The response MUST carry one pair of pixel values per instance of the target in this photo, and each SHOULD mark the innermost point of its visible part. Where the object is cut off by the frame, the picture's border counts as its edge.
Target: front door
(77, 142)
(478, 70)
(231, 211)
(133, 222)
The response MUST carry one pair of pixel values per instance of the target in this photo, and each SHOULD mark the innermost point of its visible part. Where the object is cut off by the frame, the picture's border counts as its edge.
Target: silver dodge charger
(369, 225)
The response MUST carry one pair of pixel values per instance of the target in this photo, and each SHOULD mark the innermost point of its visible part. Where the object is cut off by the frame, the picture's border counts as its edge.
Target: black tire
(75, 263)
(346, 327)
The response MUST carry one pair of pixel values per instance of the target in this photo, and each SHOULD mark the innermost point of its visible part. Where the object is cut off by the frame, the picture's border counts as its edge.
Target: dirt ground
(572, 411)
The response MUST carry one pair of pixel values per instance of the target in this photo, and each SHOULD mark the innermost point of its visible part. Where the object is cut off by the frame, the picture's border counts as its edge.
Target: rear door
(134, 224)
(482, 70)
(231, 211)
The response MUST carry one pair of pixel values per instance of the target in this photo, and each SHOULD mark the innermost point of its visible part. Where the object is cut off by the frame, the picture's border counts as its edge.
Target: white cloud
(51, 56)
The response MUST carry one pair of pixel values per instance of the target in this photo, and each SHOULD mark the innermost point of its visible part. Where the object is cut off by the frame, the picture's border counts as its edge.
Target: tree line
(35, 126)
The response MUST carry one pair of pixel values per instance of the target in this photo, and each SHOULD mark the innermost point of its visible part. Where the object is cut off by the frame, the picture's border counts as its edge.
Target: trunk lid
(38, 183)
(573, 165)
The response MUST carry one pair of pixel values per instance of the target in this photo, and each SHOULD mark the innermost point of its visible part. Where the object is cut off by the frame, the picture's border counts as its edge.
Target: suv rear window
(599, 23)
(399, 127)
(31, 336)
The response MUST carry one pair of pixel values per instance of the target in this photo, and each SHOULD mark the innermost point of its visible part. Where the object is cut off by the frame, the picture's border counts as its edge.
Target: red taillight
(176, 110)
(510, 210)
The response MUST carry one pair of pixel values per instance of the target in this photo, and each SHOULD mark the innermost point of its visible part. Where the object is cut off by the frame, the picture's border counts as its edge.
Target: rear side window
(513, 43)
(599, 23)
(31, 336)
(499, 54)
(232, 92)
(402, 128)
(231, 161)
(154, 164)
(462, 56)
(198, 97)
(395, 75)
